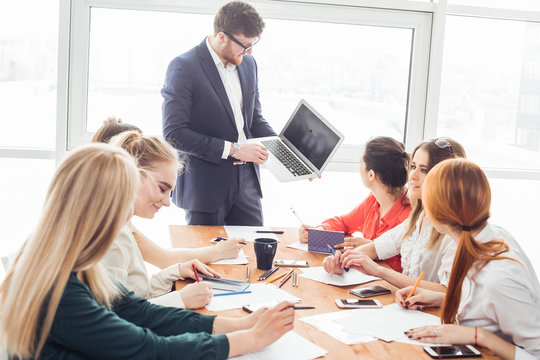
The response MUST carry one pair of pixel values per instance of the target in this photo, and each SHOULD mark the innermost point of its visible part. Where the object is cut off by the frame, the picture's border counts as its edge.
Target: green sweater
(134, 329)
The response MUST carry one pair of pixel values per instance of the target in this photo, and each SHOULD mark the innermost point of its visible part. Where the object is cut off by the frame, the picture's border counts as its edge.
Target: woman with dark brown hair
(493, 293)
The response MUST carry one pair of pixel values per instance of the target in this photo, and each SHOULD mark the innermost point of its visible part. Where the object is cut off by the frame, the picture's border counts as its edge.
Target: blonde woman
(421, 247)
(493, 298)
(58, 302)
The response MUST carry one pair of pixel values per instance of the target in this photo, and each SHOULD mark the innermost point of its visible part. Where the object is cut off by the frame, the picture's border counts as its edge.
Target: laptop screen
(311, 136)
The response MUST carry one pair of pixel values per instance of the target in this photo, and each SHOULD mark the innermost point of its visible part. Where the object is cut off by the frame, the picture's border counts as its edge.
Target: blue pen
(219, 238)
(334, 254)
(234, 293)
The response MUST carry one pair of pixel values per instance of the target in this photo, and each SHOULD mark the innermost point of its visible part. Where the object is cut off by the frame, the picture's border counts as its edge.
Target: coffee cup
(265, 250)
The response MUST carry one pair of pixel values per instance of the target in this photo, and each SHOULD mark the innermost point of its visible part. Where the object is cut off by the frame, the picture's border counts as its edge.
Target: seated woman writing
(422, 248)
(57, 301)
(383, 169)
(493, 298)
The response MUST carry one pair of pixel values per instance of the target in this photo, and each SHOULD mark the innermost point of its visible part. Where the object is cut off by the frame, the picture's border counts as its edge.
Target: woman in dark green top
(58, 303)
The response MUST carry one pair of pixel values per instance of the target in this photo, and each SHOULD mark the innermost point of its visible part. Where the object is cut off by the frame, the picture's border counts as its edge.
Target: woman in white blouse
(159, 165)
(493, 297)
(422, 248)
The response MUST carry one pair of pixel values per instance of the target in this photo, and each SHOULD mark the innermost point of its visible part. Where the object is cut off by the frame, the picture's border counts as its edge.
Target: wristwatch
(236, 147)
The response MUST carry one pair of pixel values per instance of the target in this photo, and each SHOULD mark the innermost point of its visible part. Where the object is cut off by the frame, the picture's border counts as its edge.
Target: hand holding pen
(302, 232)
(332, 264)
(190, 268)
(228, 248)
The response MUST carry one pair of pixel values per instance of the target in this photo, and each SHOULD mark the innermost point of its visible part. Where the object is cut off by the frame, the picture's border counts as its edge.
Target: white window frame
(417, 17)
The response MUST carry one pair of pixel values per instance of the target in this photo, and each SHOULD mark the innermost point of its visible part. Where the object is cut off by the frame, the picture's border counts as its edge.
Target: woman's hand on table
(228, 249)
(352, 242)
(331, 264)
(186, 269)
(196, 295)
(421, 298)
(360, 261)
(273, 323)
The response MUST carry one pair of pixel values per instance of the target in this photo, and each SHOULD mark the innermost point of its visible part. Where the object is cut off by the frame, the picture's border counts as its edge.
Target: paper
(289, 346)
(241, 259)
(249, 232)
(327, 323)
(299, 246)
(352, 277)
(259, 293)
(388, 323)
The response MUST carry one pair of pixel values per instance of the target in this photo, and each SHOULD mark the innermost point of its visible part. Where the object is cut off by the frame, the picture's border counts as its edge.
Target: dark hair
(107, 131)
(388, 159)
(237, 17)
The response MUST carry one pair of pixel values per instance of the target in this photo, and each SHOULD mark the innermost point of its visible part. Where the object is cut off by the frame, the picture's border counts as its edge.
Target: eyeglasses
(443, 143)
(246, 48)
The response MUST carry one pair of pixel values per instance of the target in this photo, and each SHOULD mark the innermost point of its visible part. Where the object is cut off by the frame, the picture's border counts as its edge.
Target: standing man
(211, 107)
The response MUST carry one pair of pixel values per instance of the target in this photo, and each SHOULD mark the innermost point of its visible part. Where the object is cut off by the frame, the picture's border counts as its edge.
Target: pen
(414, 288)
(267, 274)
(302, 307)
(294, 279)
(297, 217)
(222, 238)
(277, 277)
(195, 271)
(334, 254)
(269, 232)
(233, 293)
(247, 273)
(287, 277)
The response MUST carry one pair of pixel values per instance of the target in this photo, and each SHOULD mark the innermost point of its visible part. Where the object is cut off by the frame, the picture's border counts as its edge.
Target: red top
(365, 218)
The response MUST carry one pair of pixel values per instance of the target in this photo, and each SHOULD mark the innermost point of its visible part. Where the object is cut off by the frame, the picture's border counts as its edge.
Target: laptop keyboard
(286, 157)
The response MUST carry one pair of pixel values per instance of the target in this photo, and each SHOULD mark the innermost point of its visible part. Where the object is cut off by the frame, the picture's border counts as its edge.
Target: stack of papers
(289, 346)
(249, 233)
(328, 323)
(388, 323)
(260, 293)
(241, 259)
(299, 246)
(352, 277)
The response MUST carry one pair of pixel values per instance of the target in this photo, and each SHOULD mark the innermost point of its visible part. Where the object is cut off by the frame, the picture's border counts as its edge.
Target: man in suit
(211, 107)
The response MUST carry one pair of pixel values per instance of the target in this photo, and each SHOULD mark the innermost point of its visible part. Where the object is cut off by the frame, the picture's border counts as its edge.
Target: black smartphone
(369, 291)
(452, 351)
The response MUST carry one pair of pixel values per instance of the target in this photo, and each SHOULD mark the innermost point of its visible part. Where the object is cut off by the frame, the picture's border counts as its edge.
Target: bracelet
(475, 335)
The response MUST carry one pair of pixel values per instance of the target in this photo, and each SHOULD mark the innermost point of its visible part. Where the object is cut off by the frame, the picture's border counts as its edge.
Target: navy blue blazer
(197, 118)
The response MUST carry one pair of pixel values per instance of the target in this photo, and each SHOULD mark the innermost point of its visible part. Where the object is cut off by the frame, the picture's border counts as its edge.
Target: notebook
(225, 284)
(304, 147)
(318, 240)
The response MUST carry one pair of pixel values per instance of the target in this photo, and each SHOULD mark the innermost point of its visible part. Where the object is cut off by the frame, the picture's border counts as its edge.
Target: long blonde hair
(438, 150)
(457, 193)
(89, 199)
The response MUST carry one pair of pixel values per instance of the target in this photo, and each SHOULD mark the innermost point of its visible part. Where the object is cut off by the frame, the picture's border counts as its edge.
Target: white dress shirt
(503, 297)
(415, 257)
(231, 82)
(125, 263)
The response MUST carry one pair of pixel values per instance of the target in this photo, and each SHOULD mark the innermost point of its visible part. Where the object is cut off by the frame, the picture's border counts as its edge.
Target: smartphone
(358, 303)
(370, 291)
(291, 263)
(452, 351)
(254, 307)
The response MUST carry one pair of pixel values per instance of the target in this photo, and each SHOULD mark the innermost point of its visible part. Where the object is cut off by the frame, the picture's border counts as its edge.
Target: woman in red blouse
(383, 169)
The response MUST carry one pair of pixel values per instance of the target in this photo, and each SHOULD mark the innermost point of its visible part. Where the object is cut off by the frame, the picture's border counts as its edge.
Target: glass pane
(22, 191)
(28, 61)
(359, 82)
(490, 91)
(531, 5)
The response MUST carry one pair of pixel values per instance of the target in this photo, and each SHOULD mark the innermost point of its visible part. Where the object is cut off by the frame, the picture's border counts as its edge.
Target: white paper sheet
(241, 259)
(289, 346)
(352, 277)
(299, 246)
(249, 233)
(259, 293)
(388, 323)
(327, 323)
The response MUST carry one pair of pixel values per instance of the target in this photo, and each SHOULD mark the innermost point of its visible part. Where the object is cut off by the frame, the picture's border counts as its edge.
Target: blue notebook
(318, 240)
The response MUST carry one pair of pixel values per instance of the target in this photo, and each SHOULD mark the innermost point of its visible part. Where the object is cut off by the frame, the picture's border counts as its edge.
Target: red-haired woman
(493, 293)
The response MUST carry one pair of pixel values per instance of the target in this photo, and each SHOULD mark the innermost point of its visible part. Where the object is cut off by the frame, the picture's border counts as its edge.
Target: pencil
(233, 293)
(414, 288)
(195, 271)
(247, 273)
(294, 279)
(277, 277)
(287, 277)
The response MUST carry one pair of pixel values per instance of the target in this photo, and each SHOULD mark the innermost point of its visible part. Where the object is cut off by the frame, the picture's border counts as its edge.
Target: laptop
(304, 147)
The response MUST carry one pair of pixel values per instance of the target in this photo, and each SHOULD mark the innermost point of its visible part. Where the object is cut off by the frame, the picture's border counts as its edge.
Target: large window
(358, 67)
(490, 95)
(28, 61)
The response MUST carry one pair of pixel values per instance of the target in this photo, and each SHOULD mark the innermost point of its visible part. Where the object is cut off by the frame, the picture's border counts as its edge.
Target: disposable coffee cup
(265, 250)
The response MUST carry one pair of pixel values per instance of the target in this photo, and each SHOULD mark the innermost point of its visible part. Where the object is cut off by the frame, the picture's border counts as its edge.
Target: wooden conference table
(311, 292)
